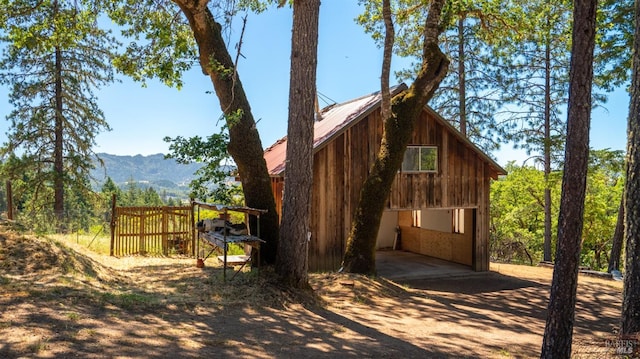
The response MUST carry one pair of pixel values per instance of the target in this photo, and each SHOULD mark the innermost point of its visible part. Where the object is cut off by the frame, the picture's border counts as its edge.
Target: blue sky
(348, 67)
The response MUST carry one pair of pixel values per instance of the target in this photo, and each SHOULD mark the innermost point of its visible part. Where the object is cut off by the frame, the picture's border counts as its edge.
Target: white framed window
(420, 159)
(458, 220)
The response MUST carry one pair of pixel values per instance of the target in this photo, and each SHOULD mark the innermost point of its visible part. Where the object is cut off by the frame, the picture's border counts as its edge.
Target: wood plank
(444, 183)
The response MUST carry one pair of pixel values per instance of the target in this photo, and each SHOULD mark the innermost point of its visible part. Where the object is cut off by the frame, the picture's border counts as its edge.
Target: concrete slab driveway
(403, 266)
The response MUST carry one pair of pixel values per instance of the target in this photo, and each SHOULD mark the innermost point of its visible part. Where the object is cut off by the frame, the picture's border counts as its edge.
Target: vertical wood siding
(341, 166)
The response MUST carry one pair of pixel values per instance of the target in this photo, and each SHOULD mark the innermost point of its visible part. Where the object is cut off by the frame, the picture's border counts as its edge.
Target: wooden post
(224, 233)
(165, 230)
(113, 223)
(9, 201)
(193, 230)
(142, 249)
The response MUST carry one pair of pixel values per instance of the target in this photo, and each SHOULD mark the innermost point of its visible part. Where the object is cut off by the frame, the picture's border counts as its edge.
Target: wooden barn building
(439, 199)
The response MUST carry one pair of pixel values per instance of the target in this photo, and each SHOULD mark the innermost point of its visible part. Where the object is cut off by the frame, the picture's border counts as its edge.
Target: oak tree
(168, 36)
(406, 106)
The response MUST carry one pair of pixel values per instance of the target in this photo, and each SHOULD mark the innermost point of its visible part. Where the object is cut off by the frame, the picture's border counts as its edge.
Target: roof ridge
(373, 94)
(281, 140)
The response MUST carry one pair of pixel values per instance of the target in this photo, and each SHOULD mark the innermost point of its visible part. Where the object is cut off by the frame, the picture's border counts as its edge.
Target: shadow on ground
(185, 312)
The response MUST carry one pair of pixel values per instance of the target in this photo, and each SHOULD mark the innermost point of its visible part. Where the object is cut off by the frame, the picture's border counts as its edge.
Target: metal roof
(336, 118)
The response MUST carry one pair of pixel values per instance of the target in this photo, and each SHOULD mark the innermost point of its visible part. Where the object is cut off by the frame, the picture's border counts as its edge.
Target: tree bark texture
(58, 153)
(618, 236)
(462, 82)
(359, 255)
(9, 201)
(244, 141)
(389, 39)
(630, 323)
(292, 261)
(547, 153)
(558, 331)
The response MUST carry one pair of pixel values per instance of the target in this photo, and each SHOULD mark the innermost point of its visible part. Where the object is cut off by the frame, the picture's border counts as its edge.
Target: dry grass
(66, 300)
(30, 262)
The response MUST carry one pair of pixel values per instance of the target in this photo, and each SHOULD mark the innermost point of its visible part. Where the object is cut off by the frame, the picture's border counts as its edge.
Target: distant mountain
(153, 169)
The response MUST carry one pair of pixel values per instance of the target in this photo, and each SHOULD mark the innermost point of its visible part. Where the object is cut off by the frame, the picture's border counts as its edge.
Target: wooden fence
(152, 231)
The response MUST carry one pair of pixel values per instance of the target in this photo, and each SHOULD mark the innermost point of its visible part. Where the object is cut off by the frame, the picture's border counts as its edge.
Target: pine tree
(292, 264)
(55, 58)
(558, 331)
(630, 319)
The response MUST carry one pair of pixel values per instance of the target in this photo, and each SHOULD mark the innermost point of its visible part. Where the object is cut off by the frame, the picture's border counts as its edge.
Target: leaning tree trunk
(389, 39)
(618, 235)
(558, 331)
(630, 323)
(244, 141)
(292, 263)
(406, 108)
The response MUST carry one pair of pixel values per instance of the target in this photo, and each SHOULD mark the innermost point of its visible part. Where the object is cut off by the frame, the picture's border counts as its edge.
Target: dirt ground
(59, 300)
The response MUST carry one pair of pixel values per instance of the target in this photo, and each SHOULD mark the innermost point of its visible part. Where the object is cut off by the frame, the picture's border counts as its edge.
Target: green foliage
(614, 41)
(132, 195)
(232, 118)
(135, 196)
(517, 214)
(502, 65)
(220, 69)
(213, 179)
(605, 184)
(34, 204)
(517, 210)
(538, 51)
(469, 27)
(3, 196)
(162, 43)
(109, 189)
(55, 57)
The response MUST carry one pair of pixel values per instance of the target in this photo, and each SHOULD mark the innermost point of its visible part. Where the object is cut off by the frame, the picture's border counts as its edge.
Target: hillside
(154, 169)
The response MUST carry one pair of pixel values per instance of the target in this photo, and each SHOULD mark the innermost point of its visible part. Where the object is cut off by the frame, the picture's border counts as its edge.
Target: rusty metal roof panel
(275, 157)
(337, 118)
(334, 120)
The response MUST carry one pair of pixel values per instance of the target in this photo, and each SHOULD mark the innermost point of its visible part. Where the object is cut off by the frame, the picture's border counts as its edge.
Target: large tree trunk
(244, 141)
(292, 263)
(58, 154)
(558, 331)
(406, 108)
(618, 235)
(547, 153)
(630, 323)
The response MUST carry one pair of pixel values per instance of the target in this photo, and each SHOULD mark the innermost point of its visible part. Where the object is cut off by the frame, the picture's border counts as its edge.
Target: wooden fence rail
(152, 230)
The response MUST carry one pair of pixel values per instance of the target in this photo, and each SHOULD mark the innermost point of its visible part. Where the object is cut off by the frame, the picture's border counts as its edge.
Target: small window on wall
(458, 221)
(420, 159)
(416, 216)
